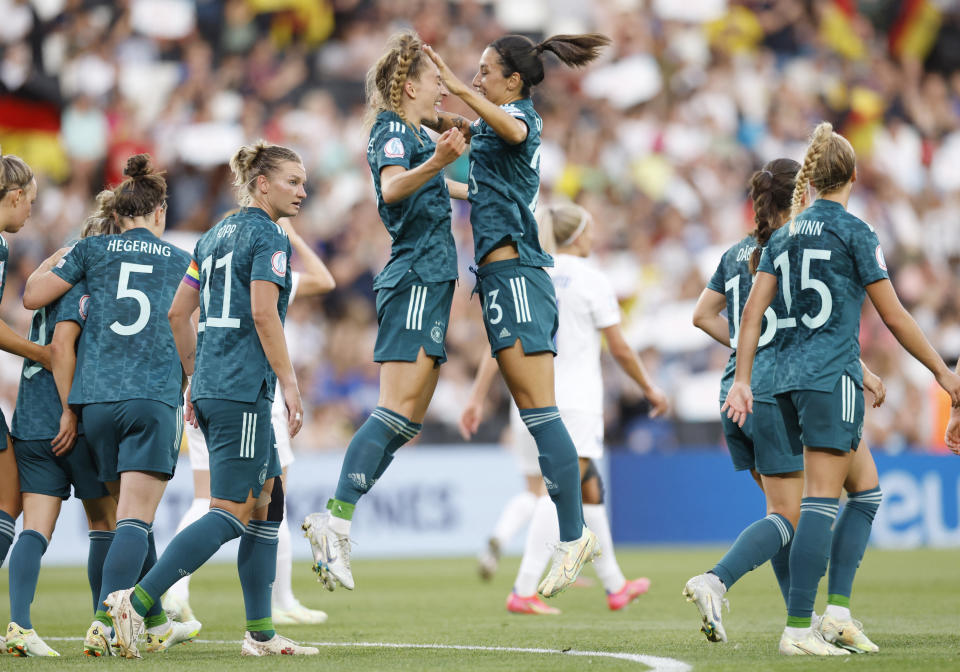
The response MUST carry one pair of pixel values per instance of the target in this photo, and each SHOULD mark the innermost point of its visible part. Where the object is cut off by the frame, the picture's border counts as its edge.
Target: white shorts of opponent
(197, 445)
(585, 429)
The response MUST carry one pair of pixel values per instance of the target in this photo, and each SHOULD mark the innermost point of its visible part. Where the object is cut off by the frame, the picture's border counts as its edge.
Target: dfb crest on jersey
(279, 263)
(394, 149)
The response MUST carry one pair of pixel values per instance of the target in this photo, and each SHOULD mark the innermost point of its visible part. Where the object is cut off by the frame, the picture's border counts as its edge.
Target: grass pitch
(907, 600)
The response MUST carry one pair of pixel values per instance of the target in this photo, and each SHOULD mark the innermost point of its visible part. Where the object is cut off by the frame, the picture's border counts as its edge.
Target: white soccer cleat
(97, 641)
(298, 615)
(331, 551)
(127, 623)
(25, 642)
(177, 633)
(275, 646)
(706, 592)
(845, 634)
(568, 560)
(177, 608)
(812, 644)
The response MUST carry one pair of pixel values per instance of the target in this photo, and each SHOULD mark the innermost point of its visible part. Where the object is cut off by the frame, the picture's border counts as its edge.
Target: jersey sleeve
(868, 255)
(75, 305)
(72, 266)
(766, 263)
(603, 303)
(394, 146)
(271, 258)
(717, 282)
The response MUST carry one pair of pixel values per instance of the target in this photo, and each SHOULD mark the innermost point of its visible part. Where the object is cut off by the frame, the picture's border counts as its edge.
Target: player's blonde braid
(408, 49)
(818, 142)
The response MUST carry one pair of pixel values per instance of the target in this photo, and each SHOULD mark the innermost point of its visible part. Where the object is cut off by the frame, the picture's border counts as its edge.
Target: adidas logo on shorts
(504, 333)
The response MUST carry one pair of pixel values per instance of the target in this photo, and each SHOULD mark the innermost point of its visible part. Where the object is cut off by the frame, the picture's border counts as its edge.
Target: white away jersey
(587, 303)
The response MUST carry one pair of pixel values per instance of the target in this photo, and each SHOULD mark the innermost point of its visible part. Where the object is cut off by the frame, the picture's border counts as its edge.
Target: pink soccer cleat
(530, 605)
(631, 590)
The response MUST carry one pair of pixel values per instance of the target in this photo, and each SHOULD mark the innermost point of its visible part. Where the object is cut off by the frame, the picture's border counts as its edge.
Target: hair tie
(539, 48)
(576, 232)
(767, 172)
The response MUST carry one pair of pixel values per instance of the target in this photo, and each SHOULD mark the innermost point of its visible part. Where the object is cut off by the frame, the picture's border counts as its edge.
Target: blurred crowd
(657, 140)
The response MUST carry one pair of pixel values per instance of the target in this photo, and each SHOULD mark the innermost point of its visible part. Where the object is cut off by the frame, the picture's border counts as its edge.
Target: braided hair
(828, 165)
(384, 82)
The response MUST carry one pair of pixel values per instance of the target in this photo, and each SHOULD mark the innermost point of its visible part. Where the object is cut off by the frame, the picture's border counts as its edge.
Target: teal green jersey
(733, 279)
(126, 349)
(419, 225)
(244, 247)
(37, 414)
(823, 261)
(503, 187)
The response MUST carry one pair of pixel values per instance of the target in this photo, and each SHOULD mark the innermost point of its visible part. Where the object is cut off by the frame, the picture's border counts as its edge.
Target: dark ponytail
(771, 189)
(524, 56)
(143, 191)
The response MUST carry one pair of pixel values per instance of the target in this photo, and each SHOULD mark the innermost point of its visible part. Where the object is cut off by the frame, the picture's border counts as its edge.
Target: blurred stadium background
(657, 140)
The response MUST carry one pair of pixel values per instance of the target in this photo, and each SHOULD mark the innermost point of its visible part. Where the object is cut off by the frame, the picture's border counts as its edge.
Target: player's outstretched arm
(398, 183)
(633, 367)
(707, 317)
(906, 330)
(315, 278)
(448, 120)
(472, 414)
(263, 305)
(63, 362)
(14, 343)
(510, 129)
(43, 286)
(458, 190)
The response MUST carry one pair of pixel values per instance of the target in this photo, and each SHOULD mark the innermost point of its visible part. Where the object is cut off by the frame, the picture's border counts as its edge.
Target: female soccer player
(589, 311)
(763, 446)
(315, 279)
(519, 304)
(239, 277)
(18, 191)
(52, 453)
(824, 262)
(127, 380)
(414, 290)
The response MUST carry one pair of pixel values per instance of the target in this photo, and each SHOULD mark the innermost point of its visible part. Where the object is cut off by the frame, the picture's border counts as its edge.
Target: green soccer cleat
(97, 641)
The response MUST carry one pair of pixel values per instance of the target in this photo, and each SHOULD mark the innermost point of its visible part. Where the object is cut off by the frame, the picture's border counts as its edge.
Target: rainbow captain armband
(192, 276)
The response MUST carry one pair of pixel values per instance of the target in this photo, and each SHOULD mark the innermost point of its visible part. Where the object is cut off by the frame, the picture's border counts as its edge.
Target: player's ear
(410, 89)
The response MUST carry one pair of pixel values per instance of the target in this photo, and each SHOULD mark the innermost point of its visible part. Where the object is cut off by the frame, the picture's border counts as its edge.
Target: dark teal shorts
(410, 316)
(133, 435)
(44, 473)
(518, 302)
(763, 442)
(4, 432)
(241, 444)
(825, 419)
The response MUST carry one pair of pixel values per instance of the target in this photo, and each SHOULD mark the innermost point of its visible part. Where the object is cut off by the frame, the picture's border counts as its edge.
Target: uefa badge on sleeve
(881, 262)
(394, 149)
(279, 263)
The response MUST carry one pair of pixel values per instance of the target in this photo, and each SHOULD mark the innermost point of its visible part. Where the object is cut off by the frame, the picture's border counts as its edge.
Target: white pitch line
(655, 663)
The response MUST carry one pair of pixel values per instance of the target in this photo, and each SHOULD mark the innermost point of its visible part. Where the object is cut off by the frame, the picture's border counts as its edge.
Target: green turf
(908, 601)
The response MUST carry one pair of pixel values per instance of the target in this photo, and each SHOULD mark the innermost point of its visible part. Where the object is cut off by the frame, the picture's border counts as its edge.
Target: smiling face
(424, 94)
(18, 205)
(491, 83)
(283, 191)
